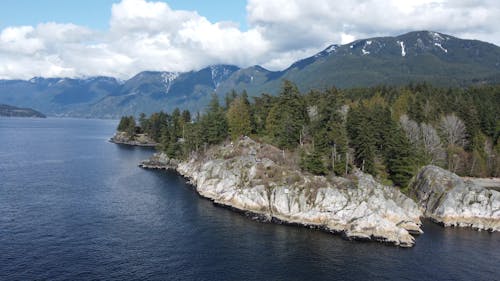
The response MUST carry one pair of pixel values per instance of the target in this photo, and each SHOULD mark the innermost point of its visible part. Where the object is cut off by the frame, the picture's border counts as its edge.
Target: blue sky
(75, 38)
(96, 13)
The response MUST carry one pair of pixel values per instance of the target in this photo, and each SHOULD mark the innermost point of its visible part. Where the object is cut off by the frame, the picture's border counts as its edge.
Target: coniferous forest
(389, 132)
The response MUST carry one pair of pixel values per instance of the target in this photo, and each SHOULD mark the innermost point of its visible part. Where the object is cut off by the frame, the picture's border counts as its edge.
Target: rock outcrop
(447, 199)
(488, 183)
(249, 176)
(159, 161)
(136, 140)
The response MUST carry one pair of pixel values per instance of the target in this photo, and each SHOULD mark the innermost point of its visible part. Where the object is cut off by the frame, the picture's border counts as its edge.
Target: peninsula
(369, 167)
(12, 111)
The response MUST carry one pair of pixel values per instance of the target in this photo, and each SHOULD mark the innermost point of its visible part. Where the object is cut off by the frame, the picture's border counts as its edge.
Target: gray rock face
(245, 176)
(159, 161)
(135, 140)
(448, 199)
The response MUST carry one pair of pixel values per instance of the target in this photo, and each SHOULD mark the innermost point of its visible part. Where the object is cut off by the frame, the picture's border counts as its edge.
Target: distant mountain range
(12, 111)
(433, 57)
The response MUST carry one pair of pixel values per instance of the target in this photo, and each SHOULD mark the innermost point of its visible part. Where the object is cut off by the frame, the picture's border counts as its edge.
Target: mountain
(58, 96)
(433, 57)
(151, 91)
(12, 111)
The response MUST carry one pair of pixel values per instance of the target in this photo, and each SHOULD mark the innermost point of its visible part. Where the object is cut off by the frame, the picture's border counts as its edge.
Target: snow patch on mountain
(327, 51)
(364, 51)
(402, 44)
(436, 36)
(441, 47)
(169, 79)
(331, 49)
(219, 74)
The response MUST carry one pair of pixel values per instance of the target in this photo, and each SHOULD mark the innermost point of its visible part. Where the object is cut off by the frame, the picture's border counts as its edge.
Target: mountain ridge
(418, 56)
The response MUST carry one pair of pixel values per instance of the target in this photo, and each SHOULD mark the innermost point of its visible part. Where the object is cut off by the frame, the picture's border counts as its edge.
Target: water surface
(74, 206)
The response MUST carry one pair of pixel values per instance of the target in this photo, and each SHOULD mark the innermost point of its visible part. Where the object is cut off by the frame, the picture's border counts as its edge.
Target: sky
(119, 38)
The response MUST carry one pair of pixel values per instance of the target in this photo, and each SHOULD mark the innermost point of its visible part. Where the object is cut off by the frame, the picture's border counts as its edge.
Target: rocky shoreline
(449, 200)
(243, 177)
(248, 177)
(135, 140)
(159, 161)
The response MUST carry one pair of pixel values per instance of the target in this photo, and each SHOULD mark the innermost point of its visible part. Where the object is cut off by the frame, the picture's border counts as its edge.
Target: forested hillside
(428, 56)
(386, 131)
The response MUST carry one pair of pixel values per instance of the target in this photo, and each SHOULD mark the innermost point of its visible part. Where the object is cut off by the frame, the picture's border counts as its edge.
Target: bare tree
(424, 136)
(432, 143)
(453, 130)
(411, 129)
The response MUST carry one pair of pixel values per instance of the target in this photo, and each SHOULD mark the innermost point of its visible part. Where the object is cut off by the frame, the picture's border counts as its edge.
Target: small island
(12, 111)
(129, 133)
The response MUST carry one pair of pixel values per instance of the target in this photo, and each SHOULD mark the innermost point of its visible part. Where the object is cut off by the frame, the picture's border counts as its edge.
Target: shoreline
(132, 143)
(264, 218)
(352, 212)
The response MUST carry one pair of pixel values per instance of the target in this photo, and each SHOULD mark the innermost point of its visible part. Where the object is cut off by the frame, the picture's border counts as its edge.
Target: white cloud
(149, 35)
(306, 22)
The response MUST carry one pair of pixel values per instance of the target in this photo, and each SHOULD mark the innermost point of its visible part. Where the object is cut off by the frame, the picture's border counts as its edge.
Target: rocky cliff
(448, 199)
(137, 139)
(250, 176)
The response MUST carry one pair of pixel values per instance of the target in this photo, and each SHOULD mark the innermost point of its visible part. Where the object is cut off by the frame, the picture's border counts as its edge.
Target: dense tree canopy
(388, 132)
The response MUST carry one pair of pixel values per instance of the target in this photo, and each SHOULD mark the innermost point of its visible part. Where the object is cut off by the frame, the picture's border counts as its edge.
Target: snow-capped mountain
(428, 56)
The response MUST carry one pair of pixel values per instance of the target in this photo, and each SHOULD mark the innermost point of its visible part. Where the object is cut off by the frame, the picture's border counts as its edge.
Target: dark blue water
(75, 207)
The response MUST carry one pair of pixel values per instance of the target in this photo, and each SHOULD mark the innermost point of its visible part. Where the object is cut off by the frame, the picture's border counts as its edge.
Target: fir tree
(286, 117)
(238, 118)
(312, 163)
(214, 122)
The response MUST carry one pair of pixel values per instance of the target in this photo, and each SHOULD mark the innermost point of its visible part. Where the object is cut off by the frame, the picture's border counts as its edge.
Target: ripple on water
(75, 207)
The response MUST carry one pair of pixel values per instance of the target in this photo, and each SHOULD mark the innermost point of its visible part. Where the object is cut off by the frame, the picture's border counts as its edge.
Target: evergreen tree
(238, 118)
(176, 124)
(260, 110)
(312, 163)
(186, 116)
(287, 117)
(398, 156)
(127, 124)
(214, 122)
(360, 127)
(230, 97)
(143, 121)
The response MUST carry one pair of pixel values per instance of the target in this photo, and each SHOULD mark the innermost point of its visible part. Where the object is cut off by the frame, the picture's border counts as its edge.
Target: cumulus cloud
(321, 21)
(150, 35)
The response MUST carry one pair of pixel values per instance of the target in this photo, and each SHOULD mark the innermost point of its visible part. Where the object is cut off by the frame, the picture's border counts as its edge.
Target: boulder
(447, 199)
